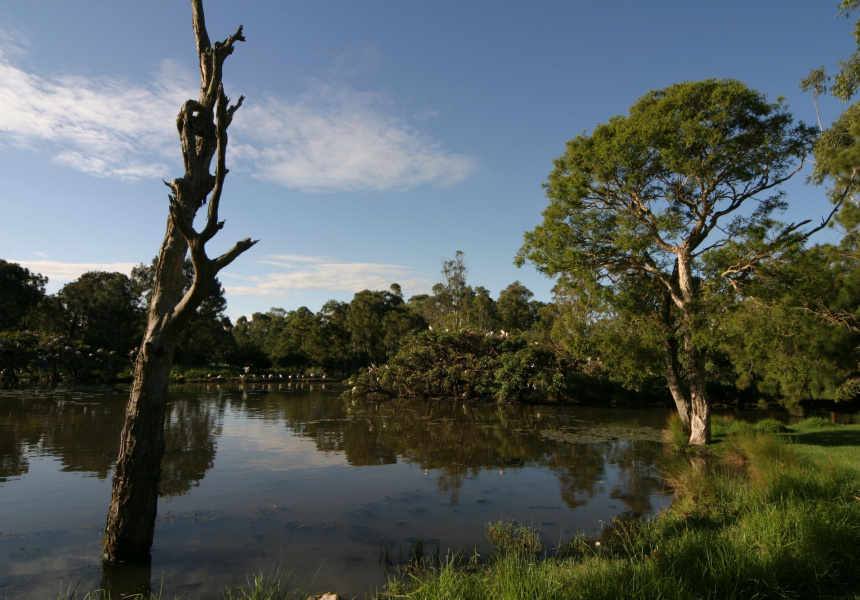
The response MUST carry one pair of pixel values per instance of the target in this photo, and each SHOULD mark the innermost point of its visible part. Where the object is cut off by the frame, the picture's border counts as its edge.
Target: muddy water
(292, 478)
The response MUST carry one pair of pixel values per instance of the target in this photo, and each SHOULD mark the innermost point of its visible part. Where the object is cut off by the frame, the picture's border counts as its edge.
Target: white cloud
(106, 127)
(337, 138)
(63, 272)
(314, 273)
(332, 138)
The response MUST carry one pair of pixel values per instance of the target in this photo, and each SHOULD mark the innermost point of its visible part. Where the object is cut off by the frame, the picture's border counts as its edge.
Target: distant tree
(483, 311)
(20, 292)
(333, 347)
(249, 351)
(208, 336)
(647, 194)
(516, 309)
(448, 307)
(98, 309)
(367, 326)
(202, 125)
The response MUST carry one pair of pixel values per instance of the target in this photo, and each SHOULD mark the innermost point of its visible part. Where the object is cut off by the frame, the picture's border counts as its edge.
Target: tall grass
(758, 520)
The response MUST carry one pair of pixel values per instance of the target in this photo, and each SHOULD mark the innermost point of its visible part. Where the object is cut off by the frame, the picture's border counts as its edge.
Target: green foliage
(795, 333)
(20, 292)
(99, 309)
(465, 364)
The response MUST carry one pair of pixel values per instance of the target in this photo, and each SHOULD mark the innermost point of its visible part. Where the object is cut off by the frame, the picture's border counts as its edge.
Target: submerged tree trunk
(202, 126)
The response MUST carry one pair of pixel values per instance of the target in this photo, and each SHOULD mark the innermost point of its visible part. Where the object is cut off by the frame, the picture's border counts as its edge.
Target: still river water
(293, 476)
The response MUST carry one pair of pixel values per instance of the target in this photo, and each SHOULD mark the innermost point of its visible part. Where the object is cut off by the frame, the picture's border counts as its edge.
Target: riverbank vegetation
(765, 515)
(783, 343)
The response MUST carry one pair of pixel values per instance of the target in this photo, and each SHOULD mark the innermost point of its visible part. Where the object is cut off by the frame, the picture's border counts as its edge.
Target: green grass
(772, 512)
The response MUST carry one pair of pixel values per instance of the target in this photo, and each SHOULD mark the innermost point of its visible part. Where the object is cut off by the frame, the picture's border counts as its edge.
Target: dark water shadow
(122, 580)
(835, 438)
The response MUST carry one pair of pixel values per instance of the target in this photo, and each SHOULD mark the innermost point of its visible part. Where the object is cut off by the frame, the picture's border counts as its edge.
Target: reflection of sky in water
(278, 481)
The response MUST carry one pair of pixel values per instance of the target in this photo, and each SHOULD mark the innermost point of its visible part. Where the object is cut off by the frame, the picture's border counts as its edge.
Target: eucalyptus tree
(202, 126)
(837, 163)
(692, 168)
(449, 305)
(837, 154)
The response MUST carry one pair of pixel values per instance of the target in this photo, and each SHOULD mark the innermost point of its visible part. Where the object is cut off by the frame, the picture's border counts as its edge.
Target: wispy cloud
(331, 138)
(338, 138)
(297, 274)
(106, 127)
(63, 272)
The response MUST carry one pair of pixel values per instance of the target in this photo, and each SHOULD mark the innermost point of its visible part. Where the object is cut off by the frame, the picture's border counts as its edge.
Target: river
(291, 477)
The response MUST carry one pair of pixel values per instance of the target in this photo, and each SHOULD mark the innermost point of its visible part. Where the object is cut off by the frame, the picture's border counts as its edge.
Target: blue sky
(377, 137)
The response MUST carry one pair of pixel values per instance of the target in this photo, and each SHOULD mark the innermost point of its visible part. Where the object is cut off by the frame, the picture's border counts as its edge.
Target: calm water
(295, 477)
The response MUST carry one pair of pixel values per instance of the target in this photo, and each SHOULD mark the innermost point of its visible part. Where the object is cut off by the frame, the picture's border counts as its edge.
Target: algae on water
(602, 434)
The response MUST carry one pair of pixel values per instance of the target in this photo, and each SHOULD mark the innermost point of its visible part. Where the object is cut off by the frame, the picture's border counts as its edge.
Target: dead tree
(202, 126)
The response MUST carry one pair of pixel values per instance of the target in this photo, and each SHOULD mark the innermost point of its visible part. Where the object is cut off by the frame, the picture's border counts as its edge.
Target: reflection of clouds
(275, 449)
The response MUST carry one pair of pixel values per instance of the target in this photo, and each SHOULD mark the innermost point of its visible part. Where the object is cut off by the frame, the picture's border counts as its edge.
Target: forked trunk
(673, 367)
(696, 399)
(202, 126)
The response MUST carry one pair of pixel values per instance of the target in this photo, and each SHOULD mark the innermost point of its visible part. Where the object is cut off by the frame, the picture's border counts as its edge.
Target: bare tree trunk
(202, 127)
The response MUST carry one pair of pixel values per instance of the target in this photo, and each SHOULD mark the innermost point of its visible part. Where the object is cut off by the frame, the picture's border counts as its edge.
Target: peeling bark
(202, 127)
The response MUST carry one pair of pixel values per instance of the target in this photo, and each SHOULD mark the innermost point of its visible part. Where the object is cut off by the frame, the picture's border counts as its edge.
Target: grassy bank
(770, 513)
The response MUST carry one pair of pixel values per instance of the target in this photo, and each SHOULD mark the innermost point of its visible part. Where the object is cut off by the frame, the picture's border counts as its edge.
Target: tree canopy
(20, 292)
(639, 202)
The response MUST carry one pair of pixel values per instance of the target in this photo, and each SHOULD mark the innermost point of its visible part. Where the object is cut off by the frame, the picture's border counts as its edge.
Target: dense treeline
(91, 327)
(793, 335)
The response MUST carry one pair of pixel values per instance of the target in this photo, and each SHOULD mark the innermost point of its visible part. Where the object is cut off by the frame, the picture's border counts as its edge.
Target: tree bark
(685, 299)
(673, 367)
(202, 127)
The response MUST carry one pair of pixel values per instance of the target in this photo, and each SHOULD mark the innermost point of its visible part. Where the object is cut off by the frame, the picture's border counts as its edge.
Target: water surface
(293, 476)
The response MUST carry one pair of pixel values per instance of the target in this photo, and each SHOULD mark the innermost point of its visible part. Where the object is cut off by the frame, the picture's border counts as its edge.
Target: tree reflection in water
(479, 457)
(460, 440)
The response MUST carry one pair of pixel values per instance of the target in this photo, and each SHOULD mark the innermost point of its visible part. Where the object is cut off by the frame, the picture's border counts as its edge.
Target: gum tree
(692, 169)
(202, 125)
